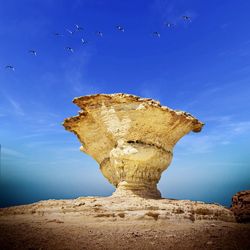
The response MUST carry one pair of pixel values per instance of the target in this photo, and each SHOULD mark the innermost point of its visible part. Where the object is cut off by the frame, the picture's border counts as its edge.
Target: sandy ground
(27, 232)
(52, 229)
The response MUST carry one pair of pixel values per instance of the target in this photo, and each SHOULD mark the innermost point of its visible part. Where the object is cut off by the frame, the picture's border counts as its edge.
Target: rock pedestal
(131, 138)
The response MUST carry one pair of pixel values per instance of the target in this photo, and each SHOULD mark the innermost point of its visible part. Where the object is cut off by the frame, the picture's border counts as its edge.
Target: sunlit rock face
(131, 138)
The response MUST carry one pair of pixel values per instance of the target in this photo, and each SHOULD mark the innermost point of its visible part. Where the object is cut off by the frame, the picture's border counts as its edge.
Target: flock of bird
(78, 28)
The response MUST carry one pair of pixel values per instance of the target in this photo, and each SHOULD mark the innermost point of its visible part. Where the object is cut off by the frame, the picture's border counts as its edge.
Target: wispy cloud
(79, 84)
(239, 50)
(194, 144)
(42, 132)
(42, 143)
(75, 74)
(223, 133)
(219, 98)
(15, 106)
(8, 152)
(238, 128)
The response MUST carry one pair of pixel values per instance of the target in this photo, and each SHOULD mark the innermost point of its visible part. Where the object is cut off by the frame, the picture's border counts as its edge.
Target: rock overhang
(90, 102)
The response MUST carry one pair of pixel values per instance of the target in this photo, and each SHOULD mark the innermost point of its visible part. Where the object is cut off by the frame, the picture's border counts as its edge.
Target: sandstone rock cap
(130, 137)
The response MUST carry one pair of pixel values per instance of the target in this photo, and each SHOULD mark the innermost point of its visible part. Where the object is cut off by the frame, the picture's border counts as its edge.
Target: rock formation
(131, 138)
(241, 206)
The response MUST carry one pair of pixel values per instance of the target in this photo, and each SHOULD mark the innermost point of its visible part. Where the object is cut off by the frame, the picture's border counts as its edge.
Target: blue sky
(202, 67)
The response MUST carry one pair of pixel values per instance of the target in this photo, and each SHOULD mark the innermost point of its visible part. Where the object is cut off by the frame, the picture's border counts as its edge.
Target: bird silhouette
(120, 28)
(84, 41)
(157, 34)
(78, 27)
(187, 18)
(33, 52)
(10, 67)
(58, 34)
(99, 33)
(69, 49)
(170, 25)
(70, 31)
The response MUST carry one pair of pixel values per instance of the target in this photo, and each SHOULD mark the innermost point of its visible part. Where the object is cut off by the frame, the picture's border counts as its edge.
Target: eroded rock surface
(131, 138)
(241, 206)
(132, 208)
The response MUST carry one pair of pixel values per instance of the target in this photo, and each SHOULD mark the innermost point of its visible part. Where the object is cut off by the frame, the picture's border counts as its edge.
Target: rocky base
(241, 206)
(130, 208)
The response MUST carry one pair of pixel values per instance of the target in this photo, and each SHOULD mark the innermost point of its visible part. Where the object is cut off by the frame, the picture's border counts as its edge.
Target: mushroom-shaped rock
(131, 138)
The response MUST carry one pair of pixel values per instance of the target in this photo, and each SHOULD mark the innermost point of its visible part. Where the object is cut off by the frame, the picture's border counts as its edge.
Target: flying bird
(187, 18)
(170, 25)
(78, 27)
(157, 34)
(70, 31)
(10, 67)
(84, 41)
(120, 28)
(33, 52)
(99, 33)
(69, 49)
(58, 34)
